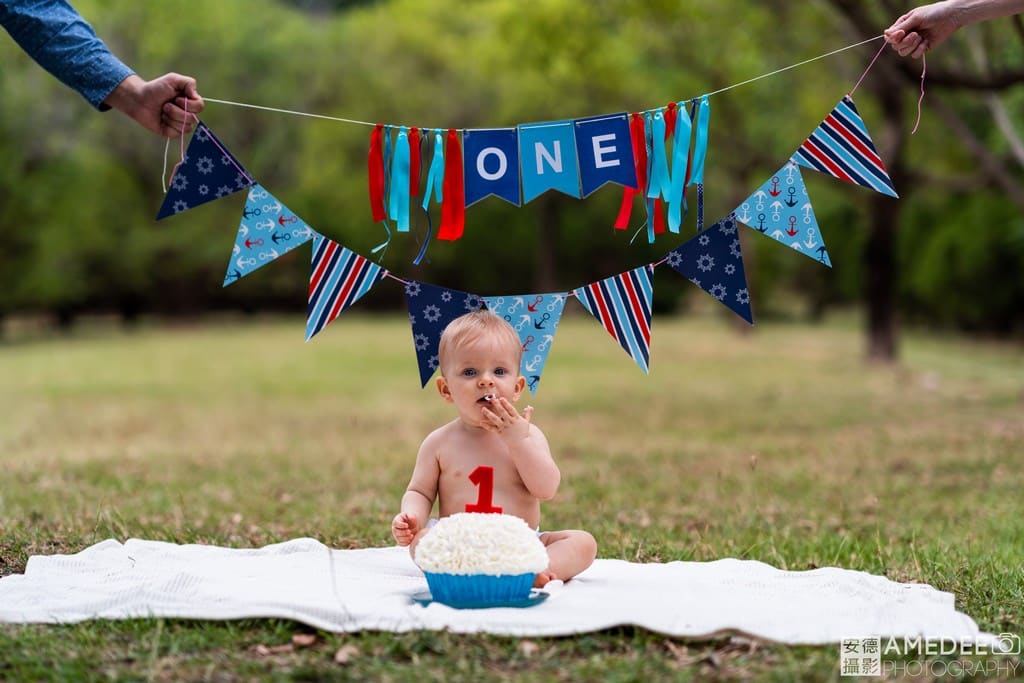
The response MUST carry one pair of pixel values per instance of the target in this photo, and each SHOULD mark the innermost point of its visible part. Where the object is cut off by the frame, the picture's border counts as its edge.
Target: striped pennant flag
(842, 148)
(338, 277)
(623, 305)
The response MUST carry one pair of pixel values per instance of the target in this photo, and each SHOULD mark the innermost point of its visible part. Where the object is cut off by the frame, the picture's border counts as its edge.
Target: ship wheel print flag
(208, 172)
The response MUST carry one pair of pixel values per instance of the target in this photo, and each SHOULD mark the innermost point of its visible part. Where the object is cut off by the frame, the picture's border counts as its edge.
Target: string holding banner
(656, 154)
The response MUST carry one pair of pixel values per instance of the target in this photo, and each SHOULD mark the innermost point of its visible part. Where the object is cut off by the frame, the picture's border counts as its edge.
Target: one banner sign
(548, 152)
(605, 152)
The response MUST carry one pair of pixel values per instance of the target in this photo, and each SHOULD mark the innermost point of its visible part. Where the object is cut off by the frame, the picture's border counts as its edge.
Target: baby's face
(478, 372)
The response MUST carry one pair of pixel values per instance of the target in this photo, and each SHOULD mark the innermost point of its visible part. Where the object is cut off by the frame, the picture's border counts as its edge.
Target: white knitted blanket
(373, 589)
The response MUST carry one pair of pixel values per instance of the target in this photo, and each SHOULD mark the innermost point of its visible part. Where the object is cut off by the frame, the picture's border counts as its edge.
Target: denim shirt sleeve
(53, 34)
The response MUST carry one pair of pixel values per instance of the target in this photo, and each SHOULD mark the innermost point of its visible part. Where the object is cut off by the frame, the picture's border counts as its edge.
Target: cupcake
(477, 559)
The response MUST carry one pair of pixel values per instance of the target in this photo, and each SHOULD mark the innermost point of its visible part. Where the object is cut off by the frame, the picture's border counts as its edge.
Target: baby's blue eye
(499, 371)
(468, 372)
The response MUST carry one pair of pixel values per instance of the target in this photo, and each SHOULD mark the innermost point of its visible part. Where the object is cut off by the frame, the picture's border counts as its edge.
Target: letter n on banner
(549, 159)
(605, 151)
(491, 163)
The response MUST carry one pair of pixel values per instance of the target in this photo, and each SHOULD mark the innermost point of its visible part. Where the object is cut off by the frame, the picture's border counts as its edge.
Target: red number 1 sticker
(483, 476)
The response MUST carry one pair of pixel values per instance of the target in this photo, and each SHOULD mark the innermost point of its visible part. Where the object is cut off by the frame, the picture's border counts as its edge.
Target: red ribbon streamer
(376, 173)
(414, 162)
(636, 134)
(453, 205)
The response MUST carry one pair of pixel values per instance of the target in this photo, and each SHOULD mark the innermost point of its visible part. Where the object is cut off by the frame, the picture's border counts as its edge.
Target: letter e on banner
(491, 164)
(605, 151)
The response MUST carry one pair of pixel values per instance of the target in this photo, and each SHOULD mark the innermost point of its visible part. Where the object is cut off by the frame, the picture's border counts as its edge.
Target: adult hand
(924, 28)
(159, 105)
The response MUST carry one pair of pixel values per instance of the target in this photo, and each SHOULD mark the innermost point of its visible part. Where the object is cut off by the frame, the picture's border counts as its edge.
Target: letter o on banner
(481, 163)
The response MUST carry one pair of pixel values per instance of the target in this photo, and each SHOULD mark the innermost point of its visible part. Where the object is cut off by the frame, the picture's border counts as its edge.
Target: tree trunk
(881, 276)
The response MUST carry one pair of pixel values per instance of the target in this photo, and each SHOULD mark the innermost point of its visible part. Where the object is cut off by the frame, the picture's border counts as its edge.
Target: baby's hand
(404, 528)
(502, 418)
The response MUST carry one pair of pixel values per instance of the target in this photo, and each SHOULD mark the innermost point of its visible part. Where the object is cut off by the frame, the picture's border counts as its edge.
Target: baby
(490, 458)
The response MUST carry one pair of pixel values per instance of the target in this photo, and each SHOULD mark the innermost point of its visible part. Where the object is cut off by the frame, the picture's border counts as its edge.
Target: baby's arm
(418, 500)
(527, 446)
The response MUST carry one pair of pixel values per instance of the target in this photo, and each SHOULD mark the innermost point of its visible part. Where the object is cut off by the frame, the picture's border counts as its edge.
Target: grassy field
(781, 445)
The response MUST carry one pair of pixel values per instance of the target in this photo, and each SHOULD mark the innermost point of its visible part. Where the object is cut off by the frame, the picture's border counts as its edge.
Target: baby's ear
(444, 389)
(520, 385)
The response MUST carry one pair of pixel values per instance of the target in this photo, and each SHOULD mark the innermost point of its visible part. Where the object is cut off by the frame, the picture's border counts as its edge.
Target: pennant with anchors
(268, 230)
(431, 308)
(622, 304)
(841, 147)
(713, 260)
(338, 277)
(781, 209)
(208, 172)
(535, 317)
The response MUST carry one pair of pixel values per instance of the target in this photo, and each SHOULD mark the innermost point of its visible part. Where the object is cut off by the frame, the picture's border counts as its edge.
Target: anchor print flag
(713, 261)
(842, 148)
(781, 209)
(431, 308)
(268, 230)
(208, 172)
(623, 305)
(535, 317)
(338, 277)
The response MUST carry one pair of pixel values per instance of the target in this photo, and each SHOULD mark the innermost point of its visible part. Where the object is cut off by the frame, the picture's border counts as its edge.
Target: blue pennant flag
(548, 153)
(431, 308)
(842, 148)
(622, 304)
(491, 164)
(208, 172)
(268, 230)
(781, 209)
(535, 317)
(605, 151)
(338, 277)
(713, 260)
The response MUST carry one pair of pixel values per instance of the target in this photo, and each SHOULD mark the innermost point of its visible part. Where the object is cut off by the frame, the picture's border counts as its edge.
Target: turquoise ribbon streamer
(435, 175)
(680, 154)
(659, 182)
(700, 145)
(398, 205)
(649, 201)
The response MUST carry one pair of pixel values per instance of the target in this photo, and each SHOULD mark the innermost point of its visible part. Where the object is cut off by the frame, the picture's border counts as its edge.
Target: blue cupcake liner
(458, 589)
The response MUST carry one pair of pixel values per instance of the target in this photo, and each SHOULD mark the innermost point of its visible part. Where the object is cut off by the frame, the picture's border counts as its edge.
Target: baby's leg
(569, 553)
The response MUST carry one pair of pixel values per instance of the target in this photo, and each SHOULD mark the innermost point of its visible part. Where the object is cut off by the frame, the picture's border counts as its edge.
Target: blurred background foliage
(79, 189)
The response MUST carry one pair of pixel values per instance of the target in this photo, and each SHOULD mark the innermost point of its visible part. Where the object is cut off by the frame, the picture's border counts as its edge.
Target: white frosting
(481, 543)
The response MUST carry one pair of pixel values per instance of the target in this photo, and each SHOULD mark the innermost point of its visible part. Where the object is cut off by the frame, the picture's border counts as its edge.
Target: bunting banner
(841, 147)
(605, 152)
(338, 277)
(535, 317)
(268, 230)
(622, 304)
(431, 308)
(713, 260)
(207, 172)
(491, 159)
(781, 209)
(548, 159)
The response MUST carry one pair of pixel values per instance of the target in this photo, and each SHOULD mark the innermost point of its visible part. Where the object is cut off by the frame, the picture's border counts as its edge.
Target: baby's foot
(542, 579)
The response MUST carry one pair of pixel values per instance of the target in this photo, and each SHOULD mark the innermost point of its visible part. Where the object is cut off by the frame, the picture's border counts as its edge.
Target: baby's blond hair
(474, 325)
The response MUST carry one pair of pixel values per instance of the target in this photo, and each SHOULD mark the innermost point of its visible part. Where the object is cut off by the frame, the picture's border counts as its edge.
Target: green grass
(780, 445)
